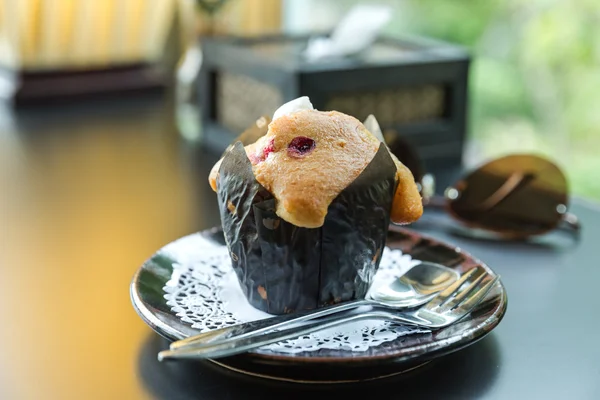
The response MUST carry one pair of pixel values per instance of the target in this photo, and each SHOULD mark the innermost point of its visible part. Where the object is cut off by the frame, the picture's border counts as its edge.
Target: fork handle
(243, 344)
(254, 328)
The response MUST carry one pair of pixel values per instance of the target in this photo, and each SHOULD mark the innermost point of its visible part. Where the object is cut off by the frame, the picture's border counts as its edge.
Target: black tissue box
(415, 87)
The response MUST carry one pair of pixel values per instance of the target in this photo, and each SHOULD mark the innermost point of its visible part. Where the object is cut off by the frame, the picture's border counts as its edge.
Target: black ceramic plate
(325, 366)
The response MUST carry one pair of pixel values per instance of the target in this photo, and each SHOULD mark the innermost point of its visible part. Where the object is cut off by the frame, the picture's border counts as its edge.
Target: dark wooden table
(89, 191)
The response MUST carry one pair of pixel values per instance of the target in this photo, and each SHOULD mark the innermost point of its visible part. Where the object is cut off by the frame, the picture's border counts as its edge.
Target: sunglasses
(514, 197)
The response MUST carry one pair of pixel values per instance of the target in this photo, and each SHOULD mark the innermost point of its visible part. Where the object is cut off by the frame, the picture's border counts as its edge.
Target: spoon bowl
(416, 287)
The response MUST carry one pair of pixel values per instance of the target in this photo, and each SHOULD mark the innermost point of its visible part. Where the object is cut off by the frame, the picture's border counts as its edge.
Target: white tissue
(355, 32)
(299, 104)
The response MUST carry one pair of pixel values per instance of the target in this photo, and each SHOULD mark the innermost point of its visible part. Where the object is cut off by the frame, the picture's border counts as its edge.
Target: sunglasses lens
(406, 153)
(519, 196)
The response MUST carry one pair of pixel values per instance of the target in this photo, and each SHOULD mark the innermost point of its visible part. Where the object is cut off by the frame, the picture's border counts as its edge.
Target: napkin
(354, 33)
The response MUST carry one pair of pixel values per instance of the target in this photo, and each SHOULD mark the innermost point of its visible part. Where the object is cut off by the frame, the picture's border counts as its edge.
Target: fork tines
(461, 293)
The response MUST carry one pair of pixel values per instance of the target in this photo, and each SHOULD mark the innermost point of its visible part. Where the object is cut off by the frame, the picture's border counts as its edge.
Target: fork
(449, 306)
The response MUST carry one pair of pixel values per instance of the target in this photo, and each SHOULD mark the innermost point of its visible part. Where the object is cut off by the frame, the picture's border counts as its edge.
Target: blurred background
(532, 83)
(106, 143)
(534, 77)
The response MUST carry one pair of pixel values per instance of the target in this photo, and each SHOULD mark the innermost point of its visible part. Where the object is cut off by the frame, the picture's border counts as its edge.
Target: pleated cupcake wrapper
(282, 267)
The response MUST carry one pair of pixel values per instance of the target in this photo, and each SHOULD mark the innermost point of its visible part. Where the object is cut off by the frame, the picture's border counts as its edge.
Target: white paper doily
(204, 292)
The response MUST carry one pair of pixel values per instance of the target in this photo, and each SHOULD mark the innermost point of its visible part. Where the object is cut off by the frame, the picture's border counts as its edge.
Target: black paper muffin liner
(283, 268)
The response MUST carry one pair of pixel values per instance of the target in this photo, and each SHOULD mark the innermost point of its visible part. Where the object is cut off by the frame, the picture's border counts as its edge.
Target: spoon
(419, 285)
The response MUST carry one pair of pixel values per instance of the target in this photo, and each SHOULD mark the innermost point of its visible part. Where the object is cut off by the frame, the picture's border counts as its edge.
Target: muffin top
(308, 157)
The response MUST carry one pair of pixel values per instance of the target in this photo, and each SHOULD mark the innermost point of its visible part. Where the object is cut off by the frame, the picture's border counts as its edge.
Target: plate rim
(325, 382)
(425, 351)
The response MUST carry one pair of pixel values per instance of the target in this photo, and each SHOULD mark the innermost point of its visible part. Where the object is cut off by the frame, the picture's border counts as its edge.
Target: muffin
(305, 208)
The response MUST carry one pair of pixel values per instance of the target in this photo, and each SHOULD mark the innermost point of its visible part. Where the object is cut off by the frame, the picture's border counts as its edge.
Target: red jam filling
(263, 154)
(268, 149)
(300, 146)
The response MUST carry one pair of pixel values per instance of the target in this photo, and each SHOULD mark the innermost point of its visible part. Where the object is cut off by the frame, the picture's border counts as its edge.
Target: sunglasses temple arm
(570, 222)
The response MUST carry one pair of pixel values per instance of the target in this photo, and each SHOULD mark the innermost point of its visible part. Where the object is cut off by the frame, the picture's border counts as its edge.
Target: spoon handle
(255, 328)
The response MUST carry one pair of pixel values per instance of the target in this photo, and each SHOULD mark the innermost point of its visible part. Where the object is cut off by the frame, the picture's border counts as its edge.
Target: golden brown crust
(305, 186)
(408, 205)
(214, 173)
